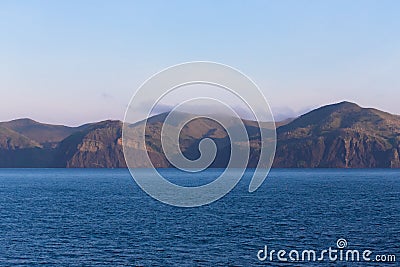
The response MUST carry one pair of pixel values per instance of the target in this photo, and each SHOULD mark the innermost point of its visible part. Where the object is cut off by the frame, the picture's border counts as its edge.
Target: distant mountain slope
(195, 131)
(12, 140)
(284, 122)
(45, 134)
(342, 135)
(17, 150)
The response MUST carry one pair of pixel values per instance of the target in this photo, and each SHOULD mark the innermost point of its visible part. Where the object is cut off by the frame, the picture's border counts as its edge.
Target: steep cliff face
(342, 135)
(98, 146)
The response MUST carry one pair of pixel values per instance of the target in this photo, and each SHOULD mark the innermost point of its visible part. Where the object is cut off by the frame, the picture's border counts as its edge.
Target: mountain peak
(344, 105)
(23, 122)
(342, 116)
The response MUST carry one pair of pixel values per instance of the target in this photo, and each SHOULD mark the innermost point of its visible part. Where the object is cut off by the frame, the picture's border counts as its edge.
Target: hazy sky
(72, 62)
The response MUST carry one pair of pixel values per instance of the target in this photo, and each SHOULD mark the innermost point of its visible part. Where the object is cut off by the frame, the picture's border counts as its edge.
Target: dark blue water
(72, 217)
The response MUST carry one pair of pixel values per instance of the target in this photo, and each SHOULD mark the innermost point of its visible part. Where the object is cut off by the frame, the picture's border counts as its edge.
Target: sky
(72, 62)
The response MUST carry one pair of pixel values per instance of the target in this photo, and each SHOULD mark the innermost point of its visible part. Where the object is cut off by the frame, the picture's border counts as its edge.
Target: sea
(101, 217)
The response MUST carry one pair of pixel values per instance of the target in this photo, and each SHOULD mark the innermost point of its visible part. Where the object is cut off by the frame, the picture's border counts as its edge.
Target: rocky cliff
(97, 146)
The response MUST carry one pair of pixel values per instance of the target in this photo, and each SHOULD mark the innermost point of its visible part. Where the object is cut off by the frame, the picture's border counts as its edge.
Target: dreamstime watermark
(338, 253)
(136, 143)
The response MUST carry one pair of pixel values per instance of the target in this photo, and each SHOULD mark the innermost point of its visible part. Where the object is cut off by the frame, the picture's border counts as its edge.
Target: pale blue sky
(77, 61)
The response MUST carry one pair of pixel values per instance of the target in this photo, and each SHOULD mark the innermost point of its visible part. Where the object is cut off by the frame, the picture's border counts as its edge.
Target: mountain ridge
(340, 135)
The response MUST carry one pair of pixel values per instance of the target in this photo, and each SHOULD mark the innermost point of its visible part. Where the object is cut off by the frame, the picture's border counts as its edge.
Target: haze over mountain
(342, 135)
